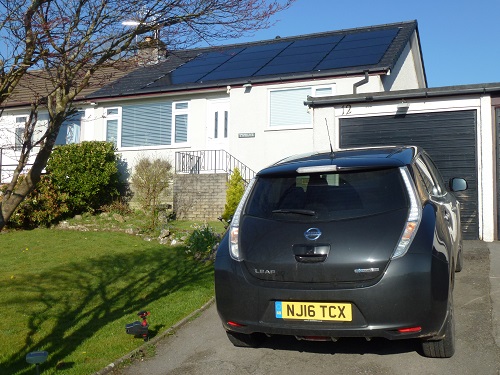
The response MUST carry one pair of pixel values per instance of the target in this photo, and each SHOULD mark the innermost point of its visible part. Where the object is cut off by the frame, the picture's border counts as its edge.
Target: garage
(449, 138)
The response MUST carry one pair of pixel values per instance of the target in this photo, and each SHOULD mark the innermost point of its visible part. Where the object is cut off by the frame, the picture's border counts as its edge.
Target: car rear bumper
(413, 292)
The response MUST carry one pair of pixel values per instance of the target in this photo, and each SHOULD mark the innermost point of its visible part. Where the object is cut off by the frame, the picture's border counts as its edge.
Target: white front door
(218, 124)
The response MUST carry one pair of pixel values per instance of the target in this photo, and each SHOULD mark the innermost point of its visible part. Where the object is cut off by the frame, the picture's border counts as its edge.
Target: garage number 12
(346, 109)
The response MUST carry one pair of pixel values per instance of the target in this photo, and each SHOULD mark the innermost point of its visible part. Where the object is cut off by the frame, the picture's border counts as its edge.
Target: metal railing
(210, 161)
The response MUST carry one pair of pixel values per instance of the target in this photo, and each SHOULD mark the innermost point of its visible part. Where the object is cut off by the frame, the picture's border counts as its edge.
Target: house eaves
(375, 49)
(235, 82)
(446, 91)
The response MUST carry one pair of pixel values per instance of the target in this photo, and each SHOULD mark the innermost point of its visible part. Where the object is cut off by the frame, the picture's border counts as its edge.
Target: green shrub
(87, 172)
(234, 192)
(42, 207)
(202, 241)
(150, 179)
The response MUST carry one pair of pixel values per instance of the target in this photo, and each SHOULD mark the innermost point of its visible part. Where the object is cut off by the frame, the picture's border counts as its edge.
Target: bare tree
(74, 44)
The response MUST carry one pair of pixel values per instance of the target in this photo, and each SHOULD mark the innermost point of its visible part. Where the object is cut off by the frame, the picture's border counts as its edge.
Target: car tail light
(414, 216)
(234, 247)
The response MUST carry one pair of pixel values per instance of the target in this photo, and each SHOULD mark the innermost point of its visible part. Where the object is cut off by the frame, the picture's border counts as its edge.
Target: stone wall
(199, 196)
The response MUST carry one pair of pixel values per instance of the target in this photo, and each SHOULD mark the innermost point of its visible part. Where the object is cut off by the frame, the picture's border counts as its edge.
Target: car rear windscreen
(327, 196)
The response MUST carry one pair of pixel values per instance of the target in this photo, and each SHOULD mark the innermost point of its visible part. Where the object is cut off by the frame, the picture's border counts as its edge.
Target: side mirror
(458, 184)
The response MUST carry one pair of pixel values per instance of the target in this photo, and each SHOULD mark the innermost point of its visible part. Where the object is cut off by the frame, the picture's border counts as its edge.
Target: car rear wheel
(243, 340)
(444, 348)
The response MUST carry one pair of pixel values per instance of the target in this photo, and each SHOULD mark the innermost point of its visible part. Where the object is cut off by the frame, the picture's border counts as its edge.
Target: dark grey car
(355, 243)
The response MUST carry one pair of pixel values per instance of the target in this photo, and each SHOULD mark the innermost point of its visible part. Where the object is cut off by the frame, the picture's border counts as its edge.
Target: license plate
(341, 312)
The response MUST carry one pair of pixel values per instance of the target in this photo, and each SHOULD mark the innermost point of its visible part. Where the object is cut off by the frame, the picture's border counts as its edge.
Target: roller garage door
(448, 137)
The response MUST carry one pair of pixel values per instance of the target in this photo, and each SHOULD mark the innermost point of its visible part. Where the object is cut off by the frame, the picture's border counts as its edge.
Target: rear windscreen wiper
(295, 211)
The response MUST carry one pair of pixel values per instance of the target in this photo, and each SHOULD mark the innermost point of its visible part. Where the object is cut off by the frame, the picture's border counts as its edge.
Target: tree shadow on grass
(81, 298)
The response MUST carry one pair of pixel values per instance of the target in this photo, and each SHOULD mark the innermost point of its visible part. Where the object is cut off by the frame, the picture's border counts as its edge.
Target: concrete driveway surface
(201, 346)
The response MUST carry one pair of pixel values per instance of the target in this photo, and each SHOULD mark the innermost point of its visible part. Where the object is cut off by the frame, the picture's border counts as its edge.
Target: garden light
(35, 358)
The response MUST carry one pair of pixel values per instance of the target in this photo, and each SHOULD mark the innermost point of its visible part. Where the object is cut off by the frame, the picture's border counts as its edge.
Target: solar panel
(291, 64)
(313, 58)
(349, 62)
(291, 67)
(247, 62)
(282, 57)
(250, 63)
(277, 46)
(362, 43)
(343, 53)
(178, 79)
(366, 48)
(300, 56)
(228, 71)
(197, 68)
(318, 48)
(229, 74)
(372, 34)
(329, 40)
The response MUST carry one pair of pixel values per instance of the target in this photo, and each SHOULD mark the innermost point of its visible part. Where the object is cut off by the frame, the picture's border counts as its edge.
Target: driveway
(201, 347)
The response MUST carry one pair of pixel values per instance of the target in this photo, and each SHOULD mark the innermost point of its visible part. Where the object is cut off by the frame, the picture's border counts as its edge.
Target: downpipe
(360, 83)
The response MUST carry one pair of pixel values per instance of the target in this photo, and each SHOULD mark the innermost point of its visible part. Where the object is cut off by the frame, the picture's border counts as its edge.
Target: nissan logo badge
(312, 234)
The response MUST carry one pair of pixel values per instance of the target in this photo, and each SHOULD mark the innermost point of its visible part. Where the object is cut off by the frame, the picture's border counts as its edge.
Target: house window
(181, 122)
(148, 124)
(112, 131)
(226, 123)
(216, 125)
(70, 130)
(112, 111)
(287, 108)
(323, 91)
(154, 124)
(19, 135)
(112, 120)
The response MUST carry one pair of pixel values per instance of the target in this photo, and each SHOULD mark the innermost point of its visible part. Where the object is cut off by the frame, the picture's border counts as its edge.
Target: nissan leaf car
(352, 243)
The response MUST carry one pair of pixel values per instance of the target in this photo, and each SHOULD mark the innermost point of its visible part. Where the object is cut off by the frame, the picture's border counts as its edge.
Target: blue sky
(460, 39)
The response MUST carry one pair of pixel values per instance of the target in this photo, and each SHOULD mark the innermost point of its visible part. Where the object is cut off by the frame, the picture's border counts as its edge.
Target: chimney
(150, 51)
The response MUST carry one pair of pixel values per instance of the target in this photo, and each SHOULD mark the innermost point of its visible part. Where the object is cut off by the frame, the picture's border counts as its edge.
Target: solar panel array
(318, 53)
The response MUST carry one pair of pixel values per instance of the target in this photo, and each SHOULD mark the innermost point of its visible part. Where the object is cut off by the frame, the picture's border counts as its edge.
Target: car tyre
(445, 347)
(460, 260)
(244, 340)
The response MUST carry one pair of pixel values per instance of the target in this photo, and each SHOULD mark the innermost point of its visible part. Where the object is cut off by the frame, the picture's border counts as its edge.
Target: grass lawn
(71, 293)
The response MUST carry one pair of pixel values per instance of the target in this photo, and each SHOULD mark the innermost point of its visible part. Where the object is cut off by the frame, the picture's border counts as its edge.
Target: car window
(438, 178)
(426, 175)
(327, 196)
(431, 176)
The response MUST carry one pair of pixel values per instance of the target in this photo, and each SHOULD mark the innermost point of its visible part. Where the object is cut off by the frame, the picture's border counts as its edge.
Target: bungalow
(247, 99)
(242, 105)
